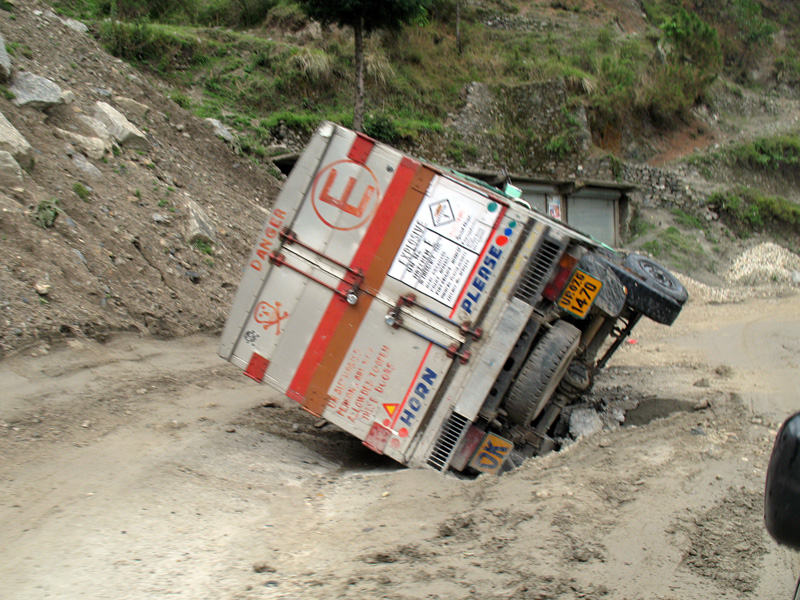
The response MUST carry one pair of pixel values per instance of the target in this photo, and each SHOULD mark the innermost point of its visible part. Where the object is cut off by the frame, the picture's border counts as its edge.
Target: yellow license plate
(492, 454)
(578, 296)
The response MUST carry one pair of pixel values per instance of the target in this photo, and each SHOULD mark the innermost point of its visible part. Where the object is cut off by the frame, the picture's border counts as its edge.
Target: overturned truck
(441, 321)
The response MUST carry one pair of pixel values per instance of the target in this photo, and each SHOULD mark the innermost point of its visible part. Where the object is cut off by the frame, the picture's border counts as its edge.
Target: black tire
(542, 372)
(657, 277)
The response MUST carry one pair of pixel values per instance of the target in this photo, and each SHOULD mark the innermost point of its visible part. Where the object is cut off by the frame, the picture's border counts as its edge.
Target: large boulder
(198, 227)
(123, 131)
(220, 130)
(75, 25)
(35, 91)
(93, 147)
(97, 128)
(13, 142)
(133, 109)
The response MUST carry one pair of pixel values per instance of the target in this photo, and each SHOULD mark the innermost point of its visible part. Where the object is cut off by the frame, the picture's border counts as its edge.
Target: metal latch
(354, 277)
(394, 319)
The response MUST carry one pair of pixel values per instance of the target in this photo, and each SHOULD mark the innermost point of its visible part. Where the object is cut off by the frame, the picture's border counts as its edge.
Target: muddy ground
(152, 469)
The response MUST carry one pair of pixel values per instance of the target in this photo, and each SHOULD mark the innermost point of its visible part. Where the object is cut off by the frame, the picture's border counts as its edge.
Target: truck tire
(657, 277)
(542, 372)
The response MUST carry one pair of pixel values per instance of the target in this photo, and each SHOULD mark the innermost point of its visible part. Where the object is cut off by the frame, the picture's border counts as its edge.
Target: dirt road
(145, 469)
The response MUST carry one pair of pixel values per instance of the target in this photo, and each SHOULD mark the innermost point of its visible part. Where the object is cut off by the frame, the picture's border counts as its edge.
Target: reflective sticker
(377, 438)
(257, 367)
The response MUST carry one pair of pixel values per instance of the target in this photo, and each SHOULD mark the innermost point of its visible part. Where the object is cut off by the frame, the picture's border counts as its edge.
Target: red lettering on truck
(268, 238)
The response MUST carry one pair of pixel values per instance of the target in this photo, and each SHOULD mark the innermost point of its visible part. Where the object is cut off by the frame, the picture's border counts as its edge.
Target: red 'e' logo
(345, 194)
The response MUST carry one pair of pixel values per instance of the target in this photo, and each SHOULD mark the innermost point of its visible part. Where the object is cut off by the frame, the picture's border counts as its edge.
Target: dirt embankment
(120, 254)
(145, 469)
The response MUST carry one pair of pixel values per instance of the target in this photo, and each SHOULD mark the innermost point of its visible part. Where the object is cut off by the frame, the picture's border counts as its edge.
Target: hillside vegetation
(260, 65)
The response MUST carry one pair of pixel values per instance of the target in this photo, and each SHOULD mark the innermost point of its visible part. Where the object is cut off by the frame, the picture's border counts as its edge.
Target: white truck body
(386, 295)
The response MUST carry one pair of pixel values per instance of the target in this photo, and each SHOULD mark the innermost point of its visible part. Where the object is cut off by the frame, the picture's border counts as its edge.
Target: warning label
(444, 241)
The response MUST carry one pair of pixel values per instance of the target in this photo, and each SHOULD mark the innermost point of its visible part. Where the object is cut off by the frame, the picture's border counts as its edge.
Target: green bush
(559, 146)
(693, 61)
(669, 93)
(381, 127)
(163, 48)
(46, 213)
(181, 100)
(287, 15)
(693, 42)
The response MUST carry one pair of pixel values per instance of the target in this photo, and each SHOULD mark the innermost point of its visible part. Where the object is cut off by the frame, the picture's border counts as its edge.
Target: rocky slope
(118, 210)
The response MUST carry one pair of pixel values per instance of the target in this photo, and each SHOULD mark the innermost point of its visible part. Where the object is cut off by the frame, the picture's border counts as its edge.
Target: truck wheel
(657, 276)
(542, 372)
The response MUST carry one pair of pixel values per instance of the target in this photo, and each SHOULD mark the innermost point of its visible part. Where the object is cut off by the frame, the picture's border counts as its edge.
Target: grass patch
(679, 250)
(746, 211)
(639, 226)
(163, 48)
(204, 246)
(688, 220)
(81, 191)
(768, 154)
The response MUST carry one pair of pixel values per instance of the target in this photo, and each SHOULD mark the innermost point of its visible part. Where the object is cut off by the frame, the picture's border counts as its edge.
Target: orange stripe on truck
(339, 324)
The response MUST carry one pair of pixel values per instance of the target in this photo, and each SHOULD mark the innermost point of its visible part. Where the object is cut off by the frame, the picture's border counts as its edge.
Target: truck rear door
(347, 303)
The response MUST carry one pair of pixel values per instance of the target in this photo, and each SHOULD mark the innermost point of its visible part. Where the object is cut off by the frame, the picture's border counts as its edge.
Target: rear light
(559, 280)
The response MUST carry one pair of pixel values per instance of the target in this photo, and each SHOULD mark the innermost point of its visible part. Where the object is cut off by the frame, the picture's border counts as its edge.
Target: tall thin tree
(364, 17)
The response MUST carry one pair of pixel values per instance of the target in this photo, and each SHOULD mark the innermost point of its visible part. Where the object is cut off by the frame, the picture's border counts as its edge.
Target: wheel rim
(657, 273)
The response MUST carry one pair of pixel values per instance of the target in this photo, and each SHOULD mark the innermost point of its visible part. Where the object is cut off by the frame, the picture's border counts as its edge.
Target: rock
(221, 131)
(161, 219)
(42, 288)
(132, 107)
(10, 171)
(93, 147)
(120, 129)
(75, 25)
(198, 227)
(584, 421)
(5, 62)
(277, 149)
(87, 168)
(262, 567)
(96, 127)
(68, 97)
(35, 91)
(13, 142)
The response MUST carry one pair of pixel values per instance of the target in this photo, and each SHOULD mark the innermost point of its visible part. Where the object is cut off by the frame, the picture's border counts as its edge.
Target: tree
(364, 16)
